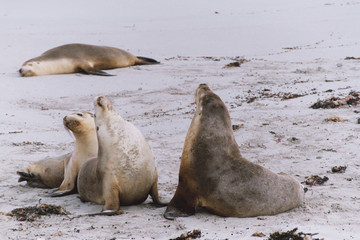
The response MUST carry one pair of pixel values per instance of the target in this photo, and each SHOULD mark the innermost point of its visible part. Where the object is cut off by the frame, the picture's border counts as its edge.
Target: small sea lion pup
(124, 172)
(49, 172)
(82, 125)
(81, 58)
(214, 175)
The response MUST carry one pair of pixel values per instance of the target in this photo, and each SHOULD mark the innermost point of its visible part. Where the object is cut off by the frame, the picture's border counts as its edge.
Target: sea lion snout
(98, 101)
(104, 103)
(25, 71)
(200, 91)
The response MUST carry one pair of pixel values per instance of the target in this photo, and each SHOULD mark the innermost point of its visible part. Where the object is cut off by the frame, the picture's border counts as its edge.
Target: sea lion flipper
(25, 176)
(146, 61)
(171, 213)
(154, 193)
(106, 213)
(182, 205)
(93, 71)
(57, 193)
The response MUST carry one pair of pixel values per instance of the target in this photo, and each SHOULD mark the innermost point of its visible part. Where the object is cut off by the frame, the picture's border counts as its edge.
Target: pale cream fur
(82, 126)
(125, 171)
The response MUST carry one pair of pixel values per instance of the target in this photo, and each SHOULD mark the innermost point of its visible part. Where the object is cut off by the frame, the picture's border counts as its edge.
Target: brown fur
(214, 175)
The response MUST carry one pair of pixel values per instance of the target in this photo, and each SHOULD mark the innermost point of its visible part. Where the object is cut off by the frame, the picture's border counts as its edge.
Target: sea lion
(82, 125)
(46, 173)
(214, 175)
(50, 172)
(81, 58)
(124, 172)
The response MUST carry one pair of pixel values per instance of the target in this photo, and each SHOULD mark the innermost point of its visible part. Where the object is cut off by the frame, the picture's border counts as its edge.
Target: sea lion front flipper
(182, 205)
(57, 193)
(93, 71)
(99, 73)
(171, 213)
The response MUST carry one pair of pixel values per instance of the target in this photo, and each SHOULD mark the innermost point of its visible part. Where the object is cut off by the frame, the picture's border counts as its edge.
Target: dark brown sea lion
(214, 175)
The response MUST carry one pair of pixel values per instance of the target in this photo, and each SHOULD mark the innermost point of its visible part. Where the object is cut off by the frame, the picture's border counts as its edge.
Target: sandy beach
(295, 55)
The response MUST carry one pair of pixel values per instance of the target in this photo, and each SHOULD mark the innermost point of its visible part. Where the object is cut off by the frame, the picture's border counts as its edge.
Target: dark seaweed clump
(32, 213)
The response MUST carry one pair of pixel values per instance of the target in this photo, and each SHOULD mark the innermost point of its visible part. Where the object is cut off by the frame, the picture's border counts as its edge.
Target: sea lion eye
(80, 114)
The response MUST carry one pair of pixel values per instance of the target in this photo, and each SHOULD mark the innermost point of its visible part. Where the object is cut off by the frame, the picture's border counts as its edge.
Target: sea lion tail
(146, 61)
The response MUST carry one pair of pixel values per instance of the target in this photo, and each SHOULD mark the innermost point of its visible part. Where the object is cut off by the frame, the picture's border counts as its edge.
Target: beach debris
(233, 64)
(237, 63)
(315, 180)
(258, 234)
(32, 213)
(352, 58)
(12, 132)
(292, 235)
(352, 99)
(189, 235)
(293, 140)
(266, 93)
(334, 119)
(338, 169)
(24, 143)
(237, 126)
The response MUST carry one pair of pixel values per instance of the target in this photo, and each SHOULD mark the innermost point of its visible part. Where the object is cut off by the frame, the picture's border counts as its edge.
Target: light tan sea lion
(124, 172)
(49, 172)
(214, 175)
(83, 58)
(82, 125)
(46, 173)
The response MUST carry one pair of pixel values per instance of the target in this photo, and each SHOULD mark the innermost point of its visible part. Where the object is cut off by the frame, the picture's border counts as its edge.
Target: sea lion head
(210, 108)
(102, 106)
(29, 68)
(79, 122)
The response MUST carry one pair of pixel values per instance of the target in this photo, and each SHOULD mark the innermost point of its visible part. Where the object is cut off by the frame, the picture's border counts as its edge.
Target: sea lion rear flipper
(31, 179)
(146, 61)
(25, 176)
